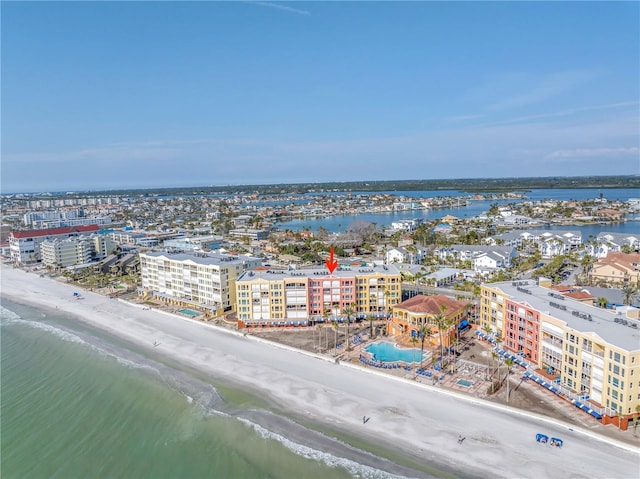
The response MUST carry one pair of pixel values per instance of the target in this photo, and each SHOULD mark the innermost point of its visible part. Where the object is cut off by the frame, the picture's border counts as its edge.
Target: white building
(411, 255)
(485, 259)
(406, 224)
(202, 279)
(606, 243)
(66, 252)
(75, 250)
(24, 246)
(554, 243)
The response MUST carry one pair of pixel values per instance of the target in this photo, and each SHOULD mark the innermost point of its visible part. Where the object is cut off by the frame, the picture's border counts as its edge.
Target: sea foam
(9, 317)
(354, 468)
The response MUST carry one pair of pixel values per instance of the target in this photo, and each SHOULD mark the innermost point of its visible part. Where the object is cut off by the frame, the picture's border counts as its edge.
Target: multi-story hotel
(591, 354)
(76, 250)
(204, 280)
(273, 296)
(24, 246)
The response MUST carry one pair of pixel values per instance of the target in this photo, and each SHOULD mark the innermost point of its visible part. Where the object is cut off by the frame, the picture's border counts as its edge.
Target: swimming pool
(465, 383)
(190, 312)
(388, 353)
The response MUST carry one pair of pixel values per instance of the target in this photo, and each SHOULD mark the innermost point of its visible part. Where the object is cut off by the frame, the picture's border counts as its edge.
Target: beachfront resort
(416, 299)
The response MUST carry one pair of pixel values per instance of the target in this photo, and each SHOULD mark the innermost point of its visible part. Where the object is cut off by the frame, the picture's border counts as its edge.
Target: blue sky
(120, 94)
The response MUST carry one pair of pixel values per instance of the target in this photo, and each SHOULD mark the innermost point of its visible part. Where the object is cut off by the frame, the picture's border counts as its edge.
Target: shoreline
(416, 420)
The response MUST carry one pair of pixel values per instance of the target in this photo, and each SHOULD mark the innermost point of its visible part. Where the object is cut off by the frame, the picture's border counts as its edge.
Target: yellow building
(588, 355)
(620, 268)
(275, 297)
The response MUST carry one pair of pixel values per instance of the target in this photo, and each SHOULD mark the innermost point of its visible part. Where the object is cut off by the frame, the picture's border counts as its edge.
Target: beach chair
(556, 442)
(542, 438)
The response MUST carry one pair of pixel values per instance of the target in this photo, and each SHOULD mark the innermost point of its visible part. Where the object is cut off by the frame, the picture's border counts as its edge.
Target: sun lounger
(542, 438)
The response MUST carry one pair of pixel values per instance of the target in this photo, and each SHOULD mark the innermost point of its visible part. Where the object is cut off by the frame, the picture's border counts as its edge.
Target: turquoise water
(190, 312)
(388, 353)
(465, 383)
(77, 406)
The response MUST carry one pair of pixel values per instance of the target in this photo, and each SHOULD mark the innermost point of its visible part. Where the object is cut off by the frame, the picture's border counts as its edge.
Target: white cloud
(593, 152)
(283, 7)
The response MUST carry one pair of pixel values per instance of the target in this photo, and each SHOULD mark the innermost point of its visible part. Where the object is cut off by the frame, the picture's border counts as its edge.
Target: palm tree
(602, 302)
(635, 424)
(424, 329)
(370, 317)
(334, 322)
(628, 290)
(348, 312)
(494, 356)
(414, 340)
(319, 326)
(326, 312)
(443, 323)
(509, 363)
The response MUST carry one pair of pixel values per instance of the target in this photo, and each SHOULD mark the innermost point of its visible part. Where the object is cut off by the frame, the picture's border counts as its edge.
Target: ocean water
(78, 405)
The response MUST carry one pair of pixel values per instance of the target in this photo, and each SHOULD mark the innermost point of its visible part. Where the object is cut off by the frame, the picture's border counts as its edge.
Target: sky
(101, 95)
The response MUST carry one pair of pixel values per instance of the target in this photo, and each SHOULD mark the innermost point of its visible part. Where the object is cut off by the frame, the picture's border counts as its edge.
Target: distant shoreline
(466, 185)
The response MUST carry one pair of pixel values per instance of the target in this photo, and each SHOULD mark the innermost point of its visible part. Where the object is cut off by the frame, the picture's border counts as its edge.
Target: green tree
(423, 331)
(348, 311)
(628, 290)
(443, 324)
(370, 317)
(414, 341)
(509, 363)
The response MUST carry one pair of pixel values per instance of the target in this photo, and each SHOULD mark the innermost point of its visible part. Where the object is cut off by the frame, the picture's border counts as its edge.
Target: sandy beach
(421, 421)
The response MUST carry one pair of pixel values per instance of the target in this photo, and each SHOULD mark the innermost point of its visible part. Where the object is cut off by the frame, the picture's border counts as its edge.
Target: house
(616, 268)
(549, 243)
(606, 243)
(410, 254)
(406, 224)
(554, 243)
(484, 258)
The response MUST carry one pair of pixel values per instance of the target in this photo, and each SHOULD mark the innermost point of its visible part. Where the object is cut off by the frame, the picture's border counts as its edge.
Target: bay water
(76, 404)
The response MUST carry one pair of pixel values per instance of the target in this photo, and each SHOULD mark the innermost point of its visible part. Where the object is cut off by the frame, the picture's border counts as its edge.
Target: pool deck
(443, 379)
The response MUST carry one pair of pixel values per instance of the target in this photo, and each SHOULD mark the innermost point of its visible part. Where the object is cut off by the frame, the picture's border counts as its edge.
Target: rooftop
(611, 327)
(201, 258)
(317, 273)
(431, 304)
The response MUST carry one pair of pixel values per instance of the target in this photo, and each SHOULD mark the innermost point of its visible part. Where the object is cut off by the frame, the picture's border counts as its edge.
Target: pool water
(388, 353)
(465, 383)
(190, 312)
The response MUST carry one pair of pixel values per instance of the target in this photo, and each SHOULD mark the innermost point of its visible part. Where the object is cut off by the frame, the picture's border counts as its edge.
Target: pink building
(521, 326)
(332, 293)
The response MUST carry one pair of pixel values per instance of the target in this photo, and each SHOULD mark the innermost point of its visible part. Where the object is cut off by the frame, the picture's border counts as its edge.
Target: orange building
(409, 316)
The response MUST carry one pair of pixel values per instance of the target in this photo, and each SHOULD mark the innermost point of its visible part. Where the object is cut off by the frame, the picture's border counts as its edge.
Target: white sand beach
(422, 421)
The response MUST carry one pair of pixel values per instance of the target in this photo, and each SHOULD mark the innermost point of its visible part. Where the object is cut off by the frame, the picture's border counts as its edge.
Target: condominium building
(202, 279)
(24, 246)
(272, 296)
(61, 253)
(591, 354)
